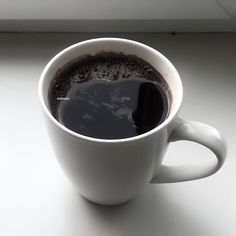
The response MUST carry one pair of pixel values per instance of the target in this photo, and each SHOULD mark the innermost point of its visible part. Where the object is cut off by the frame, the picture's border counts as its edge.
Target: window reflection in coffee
(109, 96)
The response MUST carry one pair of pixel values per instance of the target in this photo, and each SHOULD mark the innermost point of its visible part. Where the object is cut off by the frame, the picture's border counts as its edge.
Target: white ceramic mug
(113, 171)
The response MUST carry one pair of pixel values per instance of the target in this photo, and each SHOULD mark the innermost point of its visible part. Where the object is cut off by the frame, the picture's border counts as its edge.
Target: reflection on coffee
(109, 96)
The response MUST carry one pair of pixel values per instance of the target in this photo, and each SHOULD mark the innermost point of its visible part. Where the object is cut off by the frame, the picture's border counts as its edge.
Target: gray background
(35, 197)
(118, 16)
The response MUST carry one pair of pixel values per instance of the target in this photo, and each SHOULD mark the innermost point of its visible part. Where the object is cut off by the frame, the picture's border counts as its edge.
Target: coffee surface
(109, 96)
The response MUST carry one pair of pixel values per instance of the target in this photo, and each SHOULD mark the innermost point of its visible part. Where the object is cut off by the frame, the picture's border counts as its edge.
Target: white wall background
(118, 15)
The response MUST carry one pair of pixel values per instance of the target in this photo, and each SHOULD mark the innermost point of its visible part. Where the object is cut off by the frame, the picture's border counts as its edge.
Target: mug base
(106, 203)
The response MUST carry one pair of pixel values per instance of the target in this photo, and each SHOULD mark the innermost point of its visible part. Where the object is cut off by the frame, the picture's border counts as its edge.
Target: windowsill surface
(36, 198)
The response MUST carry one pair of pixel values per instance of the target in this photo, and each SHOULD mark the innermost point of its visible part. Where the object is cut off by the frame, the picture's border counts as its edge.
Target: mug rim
(170, 117)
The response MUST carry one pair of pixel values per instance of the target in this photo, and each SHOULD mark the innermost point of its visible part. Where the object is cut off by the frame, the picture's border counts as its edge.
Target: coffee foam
(119, 66)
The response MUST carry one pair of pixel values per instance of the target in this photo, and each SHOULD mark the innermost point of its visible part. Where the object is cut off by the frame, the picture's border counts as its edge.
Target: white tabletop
(35, 197)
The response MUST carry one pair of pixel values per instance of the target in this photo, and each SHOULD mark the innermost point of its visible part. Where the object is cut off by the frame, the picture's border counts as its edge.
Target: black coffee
(109, 96)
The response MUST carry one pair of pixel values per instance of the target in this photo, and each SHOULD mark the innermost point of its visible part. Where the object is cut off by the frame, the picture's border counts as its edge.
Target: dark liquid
(109, 96)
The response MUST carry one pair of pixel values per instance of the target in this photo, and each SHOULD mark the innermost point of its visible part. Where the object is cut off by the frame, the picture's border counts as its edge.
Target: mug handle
(199, 133)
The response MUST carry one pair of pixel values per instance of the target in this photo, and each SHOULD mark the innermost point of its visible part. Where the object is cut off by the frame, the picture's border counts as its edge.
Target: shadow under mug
(113, 171)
